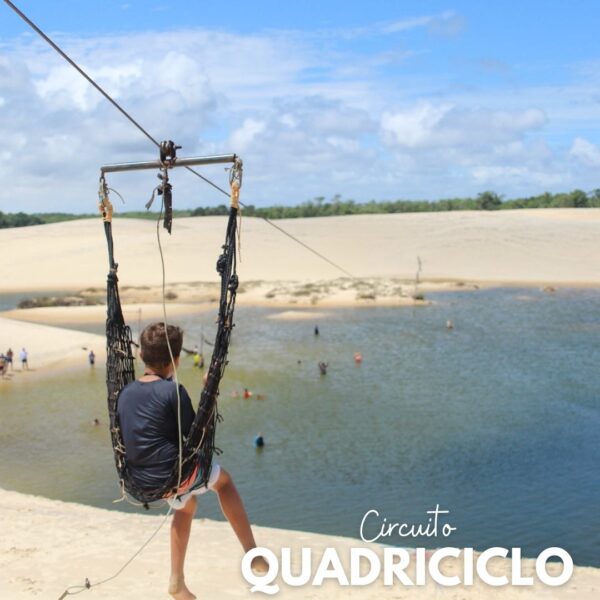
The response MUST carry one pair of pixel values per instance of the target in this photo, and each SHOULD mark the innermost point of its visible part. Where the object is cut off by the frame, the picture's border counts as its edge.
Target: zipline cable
(79, 69)
(62, 53)
(73, 590)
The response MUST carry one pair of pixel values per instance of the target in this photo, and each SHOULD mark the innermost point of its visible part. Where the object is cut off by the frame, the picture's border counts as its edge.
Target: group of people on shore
(6, 361)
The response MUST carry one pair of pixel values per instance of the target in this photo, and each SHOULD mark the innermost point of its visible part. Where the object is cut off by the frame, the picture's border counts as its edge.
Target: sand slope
(552, 245)
(47, 545)
(48, 347)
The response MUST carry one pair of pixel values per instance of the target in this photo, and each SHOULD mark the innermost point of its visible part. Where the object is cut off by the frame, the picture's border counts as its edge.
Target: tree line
(336, 206)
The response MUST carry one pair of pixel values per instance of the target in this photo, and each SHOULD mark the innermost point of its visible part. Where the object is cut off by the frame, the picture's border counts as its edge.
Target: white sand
(47, 545)
(97, 314)
(50, 348)
(558, 246)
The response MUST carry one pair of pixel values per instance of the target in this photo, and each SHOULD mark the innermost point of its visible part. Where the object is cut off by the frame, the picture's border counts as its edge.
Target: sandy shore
(97, 314)
(51, 349)
(47, 545)
(554, 246)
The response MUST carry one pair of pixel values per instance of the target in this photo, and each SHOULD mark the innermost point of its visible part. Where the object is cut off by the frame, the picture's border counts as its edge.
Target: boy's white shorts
(178, 502)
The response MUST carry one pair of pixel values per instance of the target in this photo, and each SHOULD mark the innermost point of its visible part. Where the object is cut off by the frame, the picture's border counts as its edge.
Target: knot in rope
(233, 283)
(221, 264)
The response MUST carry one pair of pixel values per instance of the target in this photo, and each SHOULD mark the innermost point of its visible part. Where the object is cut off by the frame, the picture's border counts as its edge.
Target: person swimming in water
(198, 360)
(259, 441)
(323, 368)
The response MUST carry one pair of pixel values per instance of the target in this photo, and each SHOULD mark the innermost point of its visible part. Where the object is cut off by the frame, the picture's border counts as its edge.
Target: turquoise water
(497, 421)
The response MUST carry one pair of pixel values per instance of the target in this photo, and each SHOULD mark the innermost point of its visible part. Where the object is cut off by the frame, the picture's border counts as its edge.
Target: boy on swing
(148, 414)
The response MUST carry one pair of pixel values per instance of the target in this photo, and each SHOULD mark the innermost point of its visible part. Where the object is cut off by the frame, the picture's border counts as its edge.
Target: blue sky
(379, 100)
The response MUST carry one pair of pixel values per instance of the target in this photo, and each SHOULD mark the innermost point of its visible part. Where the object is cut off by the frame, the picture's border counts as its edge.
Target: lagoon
(497, 421)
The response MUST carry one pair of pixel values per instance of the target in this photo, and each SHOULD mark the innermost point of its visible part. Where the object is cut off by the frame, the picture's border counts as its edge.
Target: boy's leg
(180, 535)
(233, 509)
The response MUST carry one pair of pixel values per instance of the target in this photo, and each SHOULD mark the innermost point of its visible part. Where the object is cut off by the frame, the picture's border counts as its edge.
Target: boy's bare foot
(178, 590)
(259, 565)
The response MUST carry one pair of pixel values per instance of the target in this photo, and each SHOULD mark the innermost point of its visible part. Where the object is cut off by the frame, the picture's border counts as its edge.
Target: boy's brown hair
(155, 352)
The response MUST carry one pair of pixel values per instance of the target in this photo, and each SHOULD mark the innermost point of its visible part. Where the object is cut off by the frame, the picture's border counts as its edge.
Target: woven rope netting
(199, 445)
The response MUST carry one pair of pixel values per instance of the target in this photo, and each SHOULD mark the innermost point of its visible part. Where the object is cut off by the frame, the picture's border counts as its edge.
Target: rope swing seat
(199, 446)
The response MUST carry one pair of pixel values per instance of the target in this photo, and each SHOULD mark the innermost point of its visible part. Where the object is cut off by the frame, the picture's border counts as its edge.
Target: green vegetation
(45, 301)
(22, 219)
(319, 207)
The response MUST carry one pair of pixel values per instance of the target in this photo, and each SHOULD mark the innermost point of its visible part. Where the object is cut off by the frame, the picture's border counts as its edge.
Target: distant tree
(488, 201)
(579, 199)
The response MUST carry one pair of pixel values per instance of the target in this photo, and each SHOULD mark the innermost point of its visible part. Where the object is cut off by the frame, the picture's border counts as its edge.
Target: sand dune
(47, 545)
(552, 246)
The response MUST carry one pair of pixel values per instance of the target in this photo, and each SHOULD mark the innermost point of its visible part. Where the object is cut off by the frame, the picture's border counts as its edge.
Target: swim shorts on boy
(179, 501)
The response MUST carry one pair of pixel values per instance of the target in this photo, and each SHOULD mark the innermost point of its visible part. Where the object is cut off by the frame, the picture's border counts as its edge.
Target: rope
(199, 445)
(152, 139)
(175, 376)
(106, 209)
(315, 252)
(77, 589)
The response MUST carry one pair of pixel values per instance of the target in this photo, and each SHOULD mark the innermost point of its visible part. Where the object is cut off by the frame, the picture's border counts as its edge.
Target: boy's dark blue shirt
(148, 418)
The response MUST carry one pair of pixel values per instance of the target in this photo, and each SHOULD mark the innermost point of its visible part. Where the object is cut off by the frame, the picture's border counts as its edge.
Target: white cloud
(457, 148)
(413, 127)
(516, 176)
(429, 125)
(406, 24)
(241, 138)
(307, 143)
(585, 152)
(308, 119)
(446, 23)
